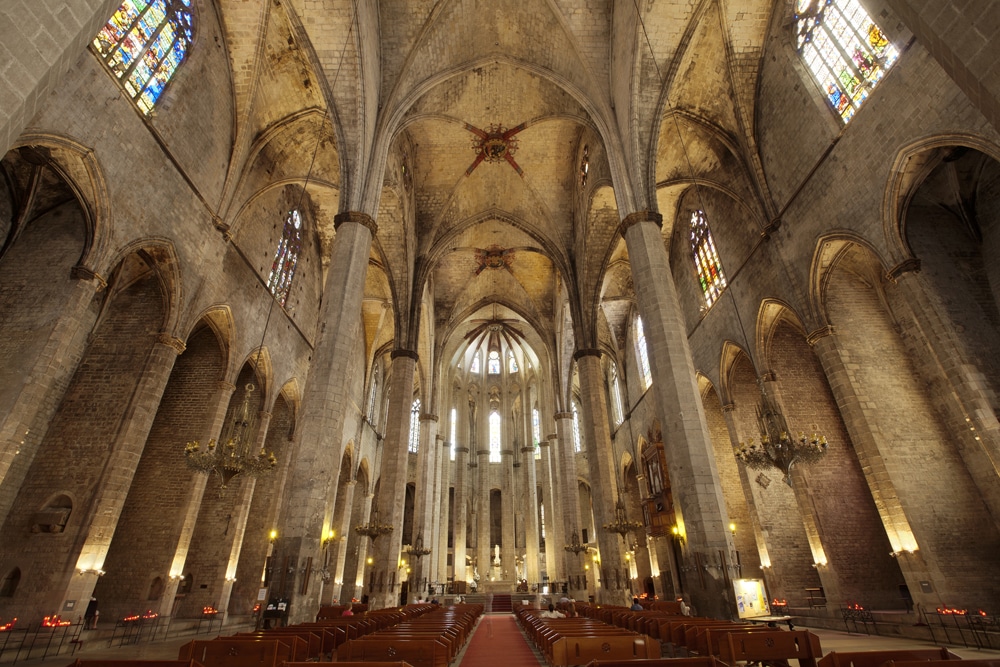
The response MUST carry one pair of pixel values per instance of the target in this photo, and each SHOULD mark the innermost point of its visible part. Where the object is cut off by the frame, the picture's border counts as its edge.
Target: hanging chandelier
(777, 449)
(575, 546)
(417, 549)
(374, 529)
(621, 525)
(237, 456)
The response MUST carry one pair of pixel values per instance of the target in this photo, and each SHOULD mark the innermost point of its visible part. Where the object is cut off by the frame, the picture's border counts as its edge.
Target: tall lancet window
(643, 354)
(844, 49)
(511, 362)
(474, 367)
(143, 44)
(373, 394)
(286, 257)
(616, 395)
(493, 363)
(577, 444)
(495, 437)
(536, 432)
(414, 444)
(706, 259)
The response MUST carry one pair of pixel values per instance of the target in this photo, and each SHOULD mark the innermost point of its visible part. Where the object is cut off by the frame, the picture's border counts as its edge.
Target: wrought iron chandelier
(575, 546)
(777, 449)
(621, 525)
(237, 455)
(374, 529)
(417, 549)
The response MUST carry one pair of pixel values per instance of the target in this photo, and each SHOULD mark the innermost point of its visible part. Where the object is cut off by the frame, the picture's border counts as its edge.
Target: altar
(498, 586)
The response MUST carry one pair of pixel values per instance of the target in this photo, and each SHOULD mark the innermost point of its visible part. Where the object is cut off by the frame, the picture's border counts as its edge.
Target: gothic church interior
(535, 293)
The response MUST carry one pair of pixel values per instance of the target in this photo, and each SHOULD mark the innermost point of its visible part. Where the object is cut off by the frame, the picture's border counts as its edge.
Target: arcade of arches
(498, 272)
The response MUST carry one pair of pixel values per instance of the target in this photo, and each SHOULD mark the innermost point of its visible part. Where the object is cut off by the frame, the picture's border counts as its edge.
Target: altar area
(497, 586)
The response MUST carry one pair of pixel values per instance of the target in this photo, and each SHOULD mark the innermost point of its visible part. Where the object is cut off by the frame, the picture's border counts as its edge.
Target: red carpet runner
(498, 641)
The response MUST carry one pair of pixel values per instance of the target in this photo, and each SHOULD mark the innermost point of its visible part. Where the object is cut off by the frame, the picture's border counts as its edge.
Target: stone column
(319, 443)
(392, 484)
(425, 503)
(213, 430)
(553, 558)
(336, 549)
(604, 484)
(461, 513)
(442, 520)
(760, 537)
(569, 505)
(484, 550)
(125, 452)
(508, 550)
(694, 479)
(529, 501)
(355, 584)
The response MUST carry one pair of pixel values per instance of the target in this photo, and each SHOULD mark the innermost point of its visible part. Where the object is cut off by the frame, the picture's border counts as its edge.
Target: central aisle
(497, 640)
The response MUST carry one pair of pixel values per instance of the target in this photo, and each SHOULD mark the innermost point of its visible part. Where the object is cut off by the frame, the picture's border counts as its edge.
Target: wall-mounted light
(732, 529)
(273, 536)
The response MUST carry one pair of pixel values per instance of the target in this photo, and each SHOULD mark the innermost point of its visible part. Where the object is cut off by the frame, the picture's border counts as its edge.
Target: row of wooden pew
(576, 641)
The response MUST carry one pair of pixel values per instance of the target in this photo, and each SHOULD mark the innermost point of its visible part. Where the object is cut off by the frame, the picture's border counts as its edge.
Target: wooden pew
(582, 649)
(707, 661)
(313, 639)
(134, 663)
(418, 651)
(943, 663)
(350, 664)
(228, 652)
(772, 645)
(879, 658)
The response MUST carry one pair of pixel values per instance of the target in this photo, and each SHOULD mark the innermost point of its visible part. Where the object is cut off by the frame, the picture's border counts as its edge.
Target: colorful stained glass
(706, 259)
(493, 363)
(577, 443)
(640, 344)
(536, 432)
(511, 362)
(286, 257)
(474, 367)
(143, 43)
(495, 437)
(414, 444)
(847, 53)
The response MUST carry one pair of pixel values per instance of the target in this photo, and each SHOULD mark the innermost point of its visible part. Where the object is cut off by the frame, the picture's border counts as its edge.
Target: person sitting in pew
(552, 613)
(635, 605)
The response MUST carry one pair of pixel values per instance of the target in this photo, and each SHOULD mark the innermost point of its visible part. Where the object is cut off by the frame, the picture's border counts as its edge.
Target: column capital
(543, 443)
(226, 386)
(409, 354)
(461, 450)
(428, 417)
(768, 376)
(352, 482)
(729, 407)
(81, 272)
(175, 344)
(529, 448)
(911, 265)
(637, 217)
(561, 415)
(264, 415)
(586, 352)
(444, 443)
(483, 452)
(552, 436)
(822, 332)
(506, 452)
(355, 216)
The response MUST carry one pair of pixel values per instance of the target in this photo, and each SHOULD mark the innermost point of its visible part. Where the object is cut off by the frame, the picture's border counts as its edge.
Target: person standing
(90, 616)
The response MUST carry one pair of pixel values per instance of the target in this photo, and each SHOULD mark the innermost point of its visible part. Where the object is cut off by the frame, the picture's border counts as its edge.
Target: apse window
(494, 437)
(706, 259)
(536, 433)
(474, 367)
(847, 53)
(143, 44)
(616, 395)
(451, 433)
(493, 363)
(577, 444)
(286, 257)
(643, 354)
(414, 443)
(511, 362)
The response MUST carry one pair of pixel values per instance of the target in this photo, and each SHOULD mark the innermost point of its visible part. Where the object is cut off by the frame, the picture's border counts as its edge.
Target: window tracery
(143, 44)
(536, 432)
(474, 367)
(451, 433)
(495, 437)
(286, 257)
(577, 445)
(846, 52)
(493, 363)
(511, 363)
(616, 395)
(640, 343)
(414, 444)
(706, 259)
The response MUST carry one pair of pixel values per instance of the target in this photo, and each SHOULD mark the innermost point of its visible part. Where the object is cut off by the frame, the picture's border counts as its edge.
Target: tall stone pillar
(569, 506)
(529, 501)
(126, 450)
(461, 511)
(694, 479)
(319, 443)
(604, 485)
(759, 535)
(508, 549)
(392, 482)
(553, 520)
(484, 550)
(425, 503)
(355, 566)
(336, 548)
(442, 518)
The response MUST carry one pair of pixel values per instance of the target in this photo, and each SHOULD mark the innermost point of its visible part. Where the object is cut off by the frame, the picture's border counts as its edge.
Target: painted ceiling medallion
(495, 144)
(494, 257)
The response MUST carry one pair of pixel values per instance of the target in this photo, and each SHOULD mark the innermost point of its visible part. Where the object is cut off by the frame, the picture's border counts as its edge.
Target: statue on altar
(496, 555)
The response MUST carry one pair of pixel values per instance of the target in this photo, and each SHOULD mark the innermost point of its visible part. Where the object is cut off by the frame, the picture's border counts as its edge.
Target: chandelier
(417, 549)
(621, 525)
(776, 448)
(374, 529)
(575, 546)
(237, 456)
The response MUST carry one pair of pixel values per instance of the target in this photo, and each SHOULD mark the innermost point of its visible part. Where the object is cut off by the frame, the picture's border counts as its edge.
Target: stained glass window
(536, 432)
(493, 363)
(584, 166)
(494, 437)
(616, 395)
(706, 258)
(414, 444)
(143, 43)
(511, 362)
(845, 51)
(640, 343)
(373, 395)
(475, 363)
(451, 434)
(285, 258)
(577, 445)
